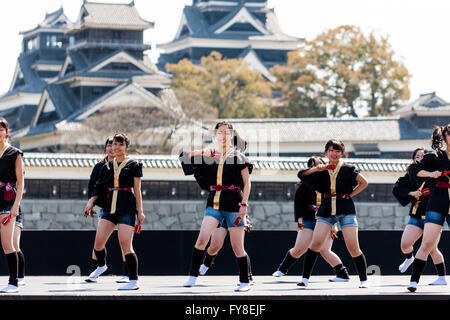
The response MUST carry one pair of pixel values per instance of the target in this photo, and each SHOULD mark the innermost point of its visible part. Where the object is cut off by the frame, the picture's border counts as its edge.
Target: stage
(215, 288)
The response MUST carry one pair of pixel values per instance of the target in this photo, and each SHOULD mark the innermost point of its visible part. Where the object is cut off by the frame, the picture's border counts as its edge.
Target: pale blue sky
(417, 29)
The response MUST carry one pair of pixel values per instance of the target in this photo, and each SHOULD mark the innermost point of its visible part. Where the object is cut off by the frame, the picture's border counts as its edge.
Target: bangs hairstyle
(425, 151)
(438, 138)
(110, 140)
(337, 145)
(237, 141)
(4, 124)
(121, 138)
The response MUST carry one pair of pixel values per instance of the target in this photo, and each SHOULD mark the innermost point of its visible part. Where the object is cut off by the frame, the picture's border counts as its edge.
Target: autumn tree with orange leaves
(342, 72)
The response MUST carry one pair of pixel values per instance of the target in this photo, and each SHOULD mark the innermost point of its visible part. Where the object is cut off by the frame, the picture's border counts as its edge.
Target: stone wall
(188, 215)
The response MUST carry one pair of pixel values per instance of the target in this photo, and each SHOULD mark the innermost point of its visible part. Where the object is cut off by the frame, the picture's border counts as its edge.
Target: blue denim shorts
(437, 218)
(420, 223)
(225, 218)
(128, 219)
(345, 220)
(309, 224)
(223, 224)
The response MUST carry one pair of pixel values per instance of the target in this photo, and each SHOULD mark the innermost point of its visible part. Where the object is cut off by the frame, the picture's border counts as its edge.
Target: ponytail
(239, 143)
(437, 138)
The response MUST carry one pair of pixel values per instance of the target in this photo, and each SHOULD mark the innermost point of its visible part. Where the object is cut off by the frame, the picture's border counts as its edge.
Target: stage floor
(222, 287)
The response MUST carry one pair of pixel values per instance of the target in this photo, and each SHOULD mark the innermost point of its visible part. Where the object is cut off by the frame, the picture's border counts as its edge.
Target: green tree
(344, 71)
(226, 84)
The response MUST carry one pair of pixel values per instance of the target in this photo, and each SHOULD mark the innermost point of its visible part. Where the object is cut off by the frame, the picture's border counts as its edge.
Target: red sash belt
(221, 188)
(312, 207)
(442, 184)
(10, 192)
(339, 195)
(110, 190)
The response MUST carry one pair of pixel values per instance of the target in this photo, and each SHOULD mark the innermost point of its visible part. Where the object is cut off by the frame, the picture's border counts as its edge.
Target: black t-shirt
(95, 174)
(345, 183)
(8, 172)
(126, 201)
(410, 182)
(439, 199)
(205, 169)
(304, 203)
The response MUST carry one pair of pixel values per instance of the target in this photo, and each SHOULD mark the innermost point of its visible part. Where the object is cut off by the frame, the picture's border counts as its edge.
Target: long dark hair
(311, 163)
(438, 137)
(425, 151)
(239, 143)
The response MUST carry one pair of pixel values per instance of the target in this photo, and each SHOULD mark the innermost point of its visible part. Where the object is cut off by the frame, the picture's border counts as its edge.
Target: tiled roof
(52, 160)
(322, 129)
(200, 28)
(54, 20)
(33, 84)
(113, 14)
(429, 102)
(19, 117)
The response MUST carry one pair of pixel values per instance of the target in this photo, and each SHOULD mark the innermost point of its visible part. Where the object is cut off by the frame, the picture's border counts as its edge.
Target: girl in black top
(306, 202)
(416, 191)
(227, 173)
(11, 191)
(434, 165)
(119, 183)
(108, 150)
(337, 183)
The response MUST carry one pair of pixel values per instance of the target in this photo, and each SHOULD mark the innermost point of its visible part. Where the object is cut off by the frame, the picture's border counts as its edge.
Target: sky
(417, 30)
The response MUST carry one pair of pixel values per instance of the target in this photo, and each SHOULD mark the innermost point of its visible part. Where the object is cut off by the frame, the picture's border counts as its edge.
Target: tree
(344, 71)
(194, 106)
(299, 89)
(228, 85)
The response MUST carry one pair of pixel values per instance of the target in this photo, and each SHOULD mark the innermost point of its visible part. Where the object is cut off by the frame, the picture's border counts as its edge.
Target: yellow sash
(219, 177)
(5, 147)
(117, 170)
(414, 209)
(318, 201)
(333, 175)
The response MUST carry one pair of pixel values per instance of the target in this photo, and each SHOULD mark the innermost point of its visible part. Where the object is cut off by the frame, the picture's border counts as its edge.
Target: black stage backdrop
(169, 253)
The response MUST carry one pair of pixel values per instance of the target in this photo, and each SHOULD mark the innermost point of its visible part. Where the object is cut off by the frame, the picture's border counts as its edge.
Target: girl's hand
(242, 212)
(321, 167)
(14, 211)
(435, 174)
(89, 206)
(334, 229)
(141, 217)
(415, 194)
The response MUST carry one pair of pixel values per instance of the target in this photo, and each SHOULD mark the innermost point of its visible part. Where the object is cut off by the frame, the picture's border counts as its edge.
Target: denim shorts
(437, 218)
(420, 223)
(223, 224)
(225, 218)
(345, 220)
(116, 218)
(309, 224)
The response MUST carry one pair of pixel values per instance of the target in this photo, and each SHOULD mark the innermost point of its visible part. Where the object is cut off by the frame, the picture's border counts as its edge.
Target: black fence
(169, 253)
(188, 190)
